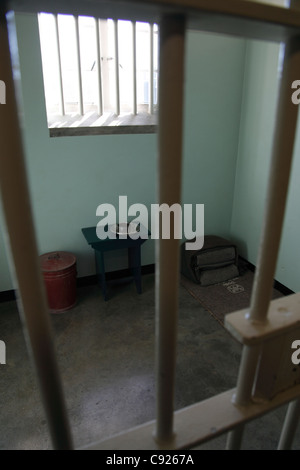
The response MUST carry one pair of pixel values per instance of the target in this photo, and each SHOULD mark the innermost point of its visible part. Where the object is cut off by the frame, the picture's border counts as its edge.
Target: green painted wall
(214, 80)
(70, 177)
(255, 146)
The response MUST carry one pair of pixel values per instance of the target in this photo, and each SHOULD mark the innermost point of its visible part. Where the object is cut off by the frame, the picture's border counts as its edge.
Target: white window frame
(139, 119)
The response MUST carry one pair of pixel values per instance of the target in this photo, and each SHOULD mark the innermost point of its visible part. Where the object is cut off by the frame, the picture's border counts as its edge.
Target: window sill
(92, 124)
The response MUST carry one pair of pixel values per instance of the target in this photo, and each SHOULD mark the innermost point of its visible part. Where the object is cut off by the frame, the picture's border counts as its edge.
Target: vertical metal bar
(117, 78)
(157, 69)
(99, 80)
(151, 71)
(293, 413)
(134, 105)
(25, 264)
(248, 365)
(60, 81)
(167, 255)
(103, 24)
(289, 426)
(77, 45)
(283, 146)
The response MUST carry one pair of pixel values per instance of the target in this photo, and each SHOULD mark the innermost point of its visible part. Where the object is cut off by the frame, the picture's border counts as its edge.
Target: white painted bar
(77, 45)
(99, 79)
(134, 104)
(117, 83)
(242, 395)
(61, 92)
(196, 424)
(151, 71)
(282, 154)
(246, 375)
(283, 145)
(167, 254)
(293, 413)
(290, 425)
(24, 263)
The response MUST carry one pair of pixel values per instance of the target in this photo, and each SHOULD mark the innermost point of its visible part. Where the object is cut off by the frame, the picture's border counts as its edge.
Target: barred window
(100, 75)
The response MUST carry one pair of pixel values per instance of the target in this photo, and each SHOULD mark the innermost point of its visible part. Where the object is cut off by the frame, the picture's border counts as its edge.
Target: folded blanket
(216, 262)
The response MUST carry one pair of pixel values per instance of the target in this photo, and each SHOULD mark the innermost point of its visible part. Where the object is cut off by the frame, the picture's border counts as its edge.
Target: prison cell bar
(134, 101)
(98, 55)
(172, 36)
(151, 67)
(117, 78)
(32, 302)
(281, 161)
(60, 82)
(290, 425)
(78, 64)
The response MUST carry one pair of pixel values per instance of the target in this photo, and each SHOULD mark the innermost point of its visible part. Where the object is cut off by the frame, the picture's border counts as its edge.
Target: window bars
(111, 84)
(257, 329)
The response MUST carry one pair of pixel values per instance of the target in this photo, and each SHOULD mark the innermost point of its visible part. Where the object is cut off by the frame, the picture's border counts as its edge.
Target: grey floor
(105, 352)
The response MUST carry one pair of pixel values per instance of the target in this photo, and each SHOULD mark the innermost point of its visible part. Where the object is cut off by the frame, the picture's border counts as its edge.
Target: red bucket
(59, 273)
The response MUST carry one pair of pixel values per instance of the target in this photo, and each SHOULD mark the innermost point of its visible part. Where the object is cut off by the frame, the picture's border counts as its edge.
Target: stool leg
(134, 261)
(100, 267)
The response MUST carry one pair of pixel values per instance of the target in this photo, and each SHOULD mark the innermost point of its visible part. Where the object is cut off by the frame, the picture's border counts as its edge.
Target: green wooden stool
(120, 242)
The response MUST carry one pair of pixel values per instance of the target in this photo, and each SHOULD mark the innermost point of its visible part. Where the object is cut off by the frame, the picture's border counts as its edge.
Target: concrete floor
(105, 352)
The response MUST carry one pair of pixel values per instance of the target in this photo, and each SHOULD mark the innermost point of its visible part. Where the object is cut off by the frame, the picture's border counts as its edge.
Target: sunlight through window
(99, 72)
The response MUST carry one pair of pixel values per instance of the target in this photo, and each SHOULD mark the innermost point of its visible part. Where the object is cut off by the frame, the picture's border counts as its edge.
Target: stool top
(117, 241)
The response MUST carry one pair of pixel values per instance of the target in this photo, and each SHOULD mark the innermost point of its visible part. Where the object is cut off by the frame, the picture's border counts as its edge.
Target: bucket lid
(57, 261)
